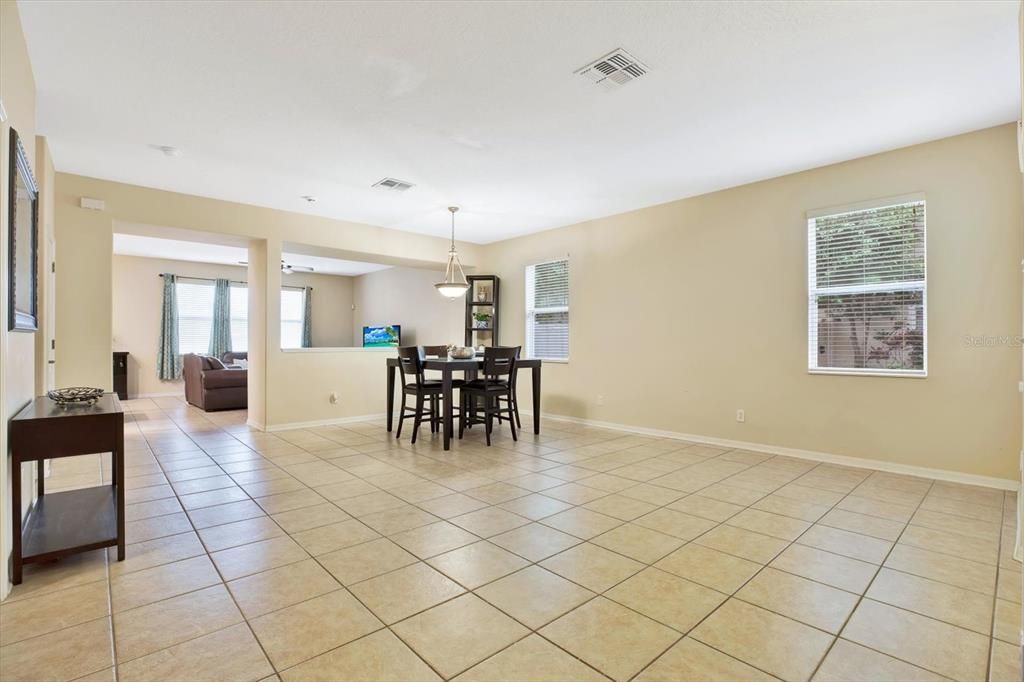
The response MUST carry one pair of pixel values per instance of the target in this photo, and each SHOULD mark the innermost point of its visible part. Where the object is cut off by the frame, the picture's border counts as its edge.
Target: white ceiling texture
(478, 103)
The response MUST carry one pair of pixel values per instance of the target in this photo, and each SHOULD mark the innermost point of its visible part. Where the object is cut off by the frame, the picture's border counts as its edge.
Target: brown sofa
(210, 386)
(231, 357)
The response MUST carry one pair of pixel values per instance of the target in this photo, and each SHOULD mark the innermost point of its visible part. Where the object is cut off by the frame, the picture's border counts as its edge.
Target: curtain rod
(232, 281)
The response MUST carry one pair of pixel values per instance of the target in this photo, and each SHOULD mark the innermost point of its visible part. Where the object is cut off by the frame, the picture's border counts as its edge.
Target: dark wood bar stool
(410, 365)
(499, 368)
(442, 352)
(514, 396)
(435, 351)
(439, 352)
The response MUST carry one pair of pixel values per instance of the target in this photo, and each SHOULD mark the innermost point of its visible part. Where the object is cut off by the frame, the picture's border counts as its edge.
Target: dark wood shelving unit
(121, 374)
(488, 285)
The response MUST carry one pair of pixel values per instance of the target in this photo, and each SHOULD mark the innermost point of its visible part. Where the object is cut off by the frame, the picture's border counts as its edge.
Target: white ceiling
(200, 252)
(477, 104)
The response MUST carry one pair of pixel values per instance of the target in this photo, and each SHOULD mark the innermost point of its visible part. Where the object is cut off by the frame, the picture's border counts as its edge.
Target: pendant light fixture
(454, 283)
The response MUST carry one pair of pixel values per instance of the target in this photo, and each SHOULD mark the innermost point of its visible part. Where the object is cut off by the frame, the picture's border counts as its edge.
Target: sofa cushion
(214, 379)
(210, 362)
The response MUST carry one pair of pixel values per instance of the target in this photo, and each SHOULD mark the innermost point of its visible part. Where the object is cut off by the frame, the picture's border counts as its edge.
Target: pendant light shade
(454, 283)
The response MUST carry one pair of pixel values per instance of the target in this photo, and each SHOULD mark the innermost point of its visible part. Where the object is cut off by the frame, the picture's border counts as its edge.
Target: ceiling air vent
(614, 70)
(393, 184)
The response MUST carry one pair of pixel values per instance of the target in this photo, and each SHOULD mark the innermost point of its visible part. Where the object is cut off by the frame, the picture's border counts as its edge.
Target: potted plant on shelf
(482, 320)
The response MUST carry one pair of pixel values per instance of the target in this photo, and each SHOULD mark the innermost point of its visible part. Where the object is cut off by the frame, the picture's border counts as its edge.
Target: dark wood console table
(76, 520)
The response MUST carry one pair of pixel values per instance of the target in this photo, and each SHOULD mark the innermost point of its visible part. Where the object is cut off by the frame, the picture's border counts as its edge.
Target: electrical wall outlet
(334, 398)
(741, 416)
(600, 399)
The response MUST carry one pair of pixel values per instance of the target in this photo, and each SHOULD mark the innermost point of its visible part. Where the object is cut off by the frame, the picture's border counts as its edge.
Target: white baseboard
(256, 425)
(179, 394)
(844, 460)
(337, 421)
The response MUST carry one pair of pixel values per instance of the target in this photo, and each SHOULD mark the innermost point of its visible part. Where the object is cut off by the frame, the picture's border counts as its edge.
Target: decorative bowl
(75, 395)
(462, 352)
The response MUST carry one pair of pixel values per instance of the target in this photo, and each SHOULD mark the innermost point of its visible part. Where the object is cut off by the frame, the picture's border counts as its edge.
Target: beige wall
(685, 312)
(297, 388)
(332, 306)
(84, 294)
(137, 295)
(47, 241)
(258, 344)
(721, 280)
(20, 363)
(407, 296)
(17, 93)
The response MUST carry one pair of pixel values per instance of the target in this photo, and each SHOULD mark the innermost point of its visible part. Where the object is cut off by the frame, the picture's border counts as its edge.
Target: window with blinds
(547, 310)
(239, 318)
(867, 290)
(195, 315)
(293, 308)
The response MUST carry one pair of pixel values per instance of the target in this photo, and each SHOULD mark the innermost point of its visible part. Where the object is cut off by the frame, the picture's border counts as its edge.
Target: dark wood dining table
(470, 366)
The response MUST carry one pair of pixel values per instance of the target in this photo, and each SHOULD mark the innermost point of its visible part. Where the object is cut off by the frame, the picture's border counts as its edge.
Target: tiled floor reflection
(339, 553)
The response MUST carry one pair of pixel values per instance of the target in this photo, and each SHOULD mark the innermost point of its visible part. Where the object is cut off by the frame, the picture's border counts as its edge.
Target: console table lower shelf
(69, 522)
(64, 523)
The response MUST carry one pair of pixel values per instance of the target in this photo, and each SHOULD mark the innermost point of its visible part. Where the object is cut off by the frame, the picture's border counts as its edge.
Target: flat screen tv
(382, 337)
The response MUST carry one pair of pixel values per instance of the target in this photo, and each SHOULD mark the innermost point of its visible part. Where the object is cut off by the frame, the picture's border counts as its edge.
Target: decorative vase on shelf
(481, 295)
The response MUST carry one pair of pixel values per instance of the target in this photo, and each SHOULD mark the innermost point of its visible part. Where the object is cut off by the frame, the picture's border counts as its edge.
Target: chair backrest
(500, 361)
(435, 351)
(410, 364)
(512, 379)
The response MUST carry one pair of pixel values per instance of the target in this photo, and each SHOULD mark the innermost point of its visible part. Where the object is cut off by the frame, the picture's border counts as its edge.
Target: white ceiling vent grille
(393, 184)
(614, 70)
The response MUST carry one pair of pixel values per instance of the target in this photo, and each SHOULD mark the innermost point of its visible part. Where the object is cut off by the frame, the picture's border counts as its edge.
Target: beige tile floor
(338, 553)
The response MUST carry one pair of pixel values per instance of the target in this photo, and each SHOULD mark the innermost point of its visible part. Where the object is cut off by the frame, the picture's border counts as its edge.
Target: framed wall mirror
(23, 250)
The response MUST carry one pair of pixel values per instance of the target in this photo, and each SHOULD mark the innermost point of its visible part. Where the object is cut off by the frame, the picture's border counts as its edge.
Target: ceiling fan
(286, 268)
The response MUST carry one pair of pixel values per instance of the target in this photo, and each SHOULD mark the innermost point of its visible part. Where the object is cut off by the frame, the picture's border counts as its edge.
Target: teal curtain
(168, 360)
(307, 318)
(220, 331)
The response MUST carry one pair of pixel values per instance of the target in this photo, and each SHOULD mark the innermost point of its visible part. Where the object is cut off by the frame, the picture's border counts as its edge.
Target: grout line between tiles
(995, 603)
(867, 588)
(381, 452)
(223, 582)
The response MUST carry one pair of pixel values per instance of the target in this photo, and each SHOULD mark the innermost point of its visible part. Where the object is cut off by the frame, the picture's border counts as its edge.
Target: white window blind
(195, 316)
(292, 309)
(547, 310)
(867, 288)
(239, 318)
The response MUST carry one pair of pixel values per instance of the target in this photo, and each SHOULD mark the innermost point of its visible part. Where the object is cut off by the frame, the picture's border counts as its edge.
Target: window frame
(813, 291)
(196, 282)
(282, 320)
(530, 311)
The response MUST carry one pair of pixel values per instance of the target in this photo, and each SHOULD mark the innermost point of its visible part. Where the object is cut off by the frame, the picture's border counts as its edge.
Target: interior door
(51, 317)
